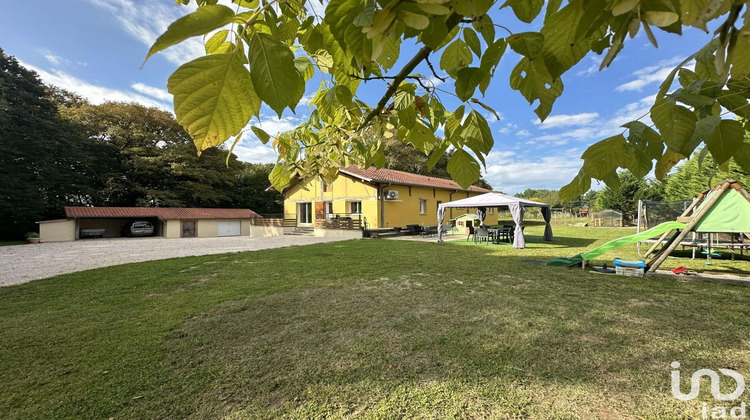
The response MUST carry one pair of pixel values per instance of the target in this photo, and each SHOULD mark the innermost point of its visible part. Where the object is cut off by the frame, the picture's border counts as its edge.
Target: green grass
(370, 328)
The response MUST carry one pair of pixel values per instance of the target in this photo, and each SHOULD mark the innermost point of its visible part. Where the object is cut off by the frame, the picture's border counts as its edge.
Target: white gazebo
(500, 201)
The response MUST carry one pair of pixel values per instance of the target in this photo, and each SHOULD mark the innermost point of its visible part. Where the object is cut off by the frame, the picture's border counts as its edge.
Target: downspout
(450, 198)
(381, 188)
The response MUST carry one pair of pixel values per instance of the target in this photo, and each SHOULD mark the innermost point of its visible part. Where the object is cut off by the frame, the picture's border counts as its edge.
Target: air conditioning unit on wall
(390, 194)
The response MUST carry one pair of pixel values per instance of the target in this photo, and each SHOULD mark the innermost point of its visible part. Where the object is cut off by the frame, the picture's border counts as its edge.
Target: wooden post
(664, 235)
(656, 262)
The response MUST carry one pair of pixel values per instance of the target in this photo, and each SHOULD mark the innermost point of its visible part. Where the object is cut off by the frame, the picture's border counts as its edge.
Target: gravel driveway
(23, 263)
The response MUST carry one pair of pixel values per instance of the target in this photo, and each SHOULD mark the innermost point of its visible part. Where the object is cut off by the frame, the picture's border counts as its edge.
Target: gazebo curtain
(547, 215)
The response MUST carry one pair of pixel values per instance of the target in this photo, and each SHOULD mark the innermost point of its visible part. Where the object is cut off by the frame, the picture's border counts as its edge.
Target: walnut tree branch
(423, 53)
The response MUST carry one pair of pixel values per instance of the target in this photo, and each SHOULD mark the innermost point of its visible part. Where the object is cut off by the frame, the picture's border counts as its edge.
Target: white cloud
(254, 151)
(523, 133)
(596, 128)
(95, 94)
(145, 21)
(508, 128)
(151, 91)
(556, 121)
(514, 175)
(596, 61)
(649, 75)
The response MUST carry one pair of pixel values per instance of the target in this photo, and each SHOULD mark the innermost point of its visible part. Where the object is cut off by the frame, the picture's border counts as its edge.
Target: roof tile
(163, 213)
(393, 176)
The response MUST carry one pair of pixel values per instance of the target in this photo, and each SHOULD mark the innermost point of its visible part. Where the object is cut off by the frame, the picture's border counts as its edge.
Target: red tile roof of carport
(163, 213)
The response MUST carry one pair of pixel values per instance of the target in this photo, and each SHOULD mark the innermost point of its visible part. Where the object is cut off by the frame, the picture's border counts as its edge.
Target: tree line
(57, 149)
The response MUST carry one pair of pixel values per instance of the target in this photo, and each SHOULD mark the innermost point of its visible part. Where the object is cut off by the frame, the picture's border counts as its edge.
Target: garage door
(229, 228)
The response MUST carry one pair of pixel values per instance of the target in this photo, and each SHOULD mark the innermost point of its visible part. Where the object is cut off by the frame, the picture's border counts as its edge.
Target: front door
(304, 214)
(188, 229)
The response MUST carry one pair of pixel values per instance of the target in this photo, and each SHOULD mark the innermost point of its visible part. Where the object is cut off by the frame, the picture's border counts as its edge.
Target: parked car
(138, 228)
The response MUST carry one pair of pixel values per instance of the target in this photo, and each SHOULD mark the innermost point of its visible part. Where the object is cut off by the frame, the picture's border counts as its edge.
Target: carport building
(168, 222)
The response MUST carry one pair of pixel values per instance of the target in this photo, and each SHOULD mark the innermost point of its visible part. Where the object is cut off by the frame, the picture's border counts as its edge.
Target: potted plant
(32, 238)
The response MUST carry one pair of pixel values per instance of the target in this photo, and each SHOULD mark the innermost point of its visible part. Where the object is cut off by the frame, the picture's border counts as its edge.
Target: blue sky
(96, 47)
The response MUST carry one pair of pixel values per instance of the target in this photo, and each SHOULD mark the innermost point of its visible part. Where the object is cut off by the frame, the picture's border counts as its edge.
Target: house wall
(57, 231)
(172, 229)
(397, 213)
(206, 228)
(343, 191)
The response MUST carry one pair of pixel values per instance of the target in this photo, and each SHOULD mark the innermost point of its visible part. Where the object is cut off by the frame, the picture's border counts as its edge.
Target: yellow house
(380, 198)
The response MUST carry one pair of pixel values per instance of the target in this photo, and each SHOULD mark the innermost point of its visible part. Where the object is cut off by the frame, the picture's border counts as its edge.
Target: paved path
(23, 263)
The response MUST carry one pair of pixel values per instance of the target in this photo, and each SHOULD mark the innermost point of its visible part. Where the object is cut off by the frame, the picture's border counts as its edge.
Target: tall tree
(264, 52)
(625, 198)
(695, 176)
(40, 161)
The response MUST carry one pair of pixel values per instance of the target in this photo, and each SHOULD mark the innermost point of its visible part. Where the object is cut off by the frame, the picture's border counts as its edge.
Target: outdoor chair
(414, 229)
(482, 234)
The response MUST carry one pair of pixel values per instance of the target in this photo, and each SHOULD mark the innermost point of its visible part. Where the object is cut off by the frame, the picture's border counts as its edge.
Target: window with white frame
(329, 209)
(355, 207)
(490, 210)
(422, 206)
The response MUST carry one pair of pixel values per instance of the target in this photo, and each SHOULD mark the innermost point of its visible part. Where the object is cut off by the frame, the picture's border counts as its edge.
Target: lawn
(9, 243)
(370, 328)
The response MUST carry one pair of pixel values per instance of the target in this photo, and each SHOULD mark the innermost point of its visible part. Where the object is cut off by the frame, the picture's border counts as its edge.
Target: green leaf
(477, 133)
(391, 51)
(563, 46)
(624, 6)
(200, 22)
(455, 56)
(421, 137)
(485, 27)
(216, 41)
(525, 10)
(280, 177)
(660, 18)
(463, 168)
(725, 140)
(434, 9)
(667, 162)
(742, 157)
(407, 116)
(675, 123)
(471, 8)
(472, 40)
(534, 82)
(403, 99)
(434, 35)
(214, 98)
(276, 79)
(739, 53)
(365, 17)
(645, 138)
(578, 186)
(414, 20)
(492, 56)
(261, 134)
(605, 156)
(467, 80)
(487, 107)
(437, 153)
(528, 44)
(304, 67)
(703, 129)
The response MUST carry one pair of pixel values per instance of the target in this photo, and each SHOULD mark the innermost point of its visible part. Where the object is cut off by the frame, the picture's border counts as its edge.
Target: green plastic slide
(616, 243)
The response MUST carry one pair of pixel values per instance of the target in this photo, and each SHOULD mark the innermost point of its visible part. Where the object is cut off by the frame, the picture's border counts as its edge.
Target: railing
(346, 221)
